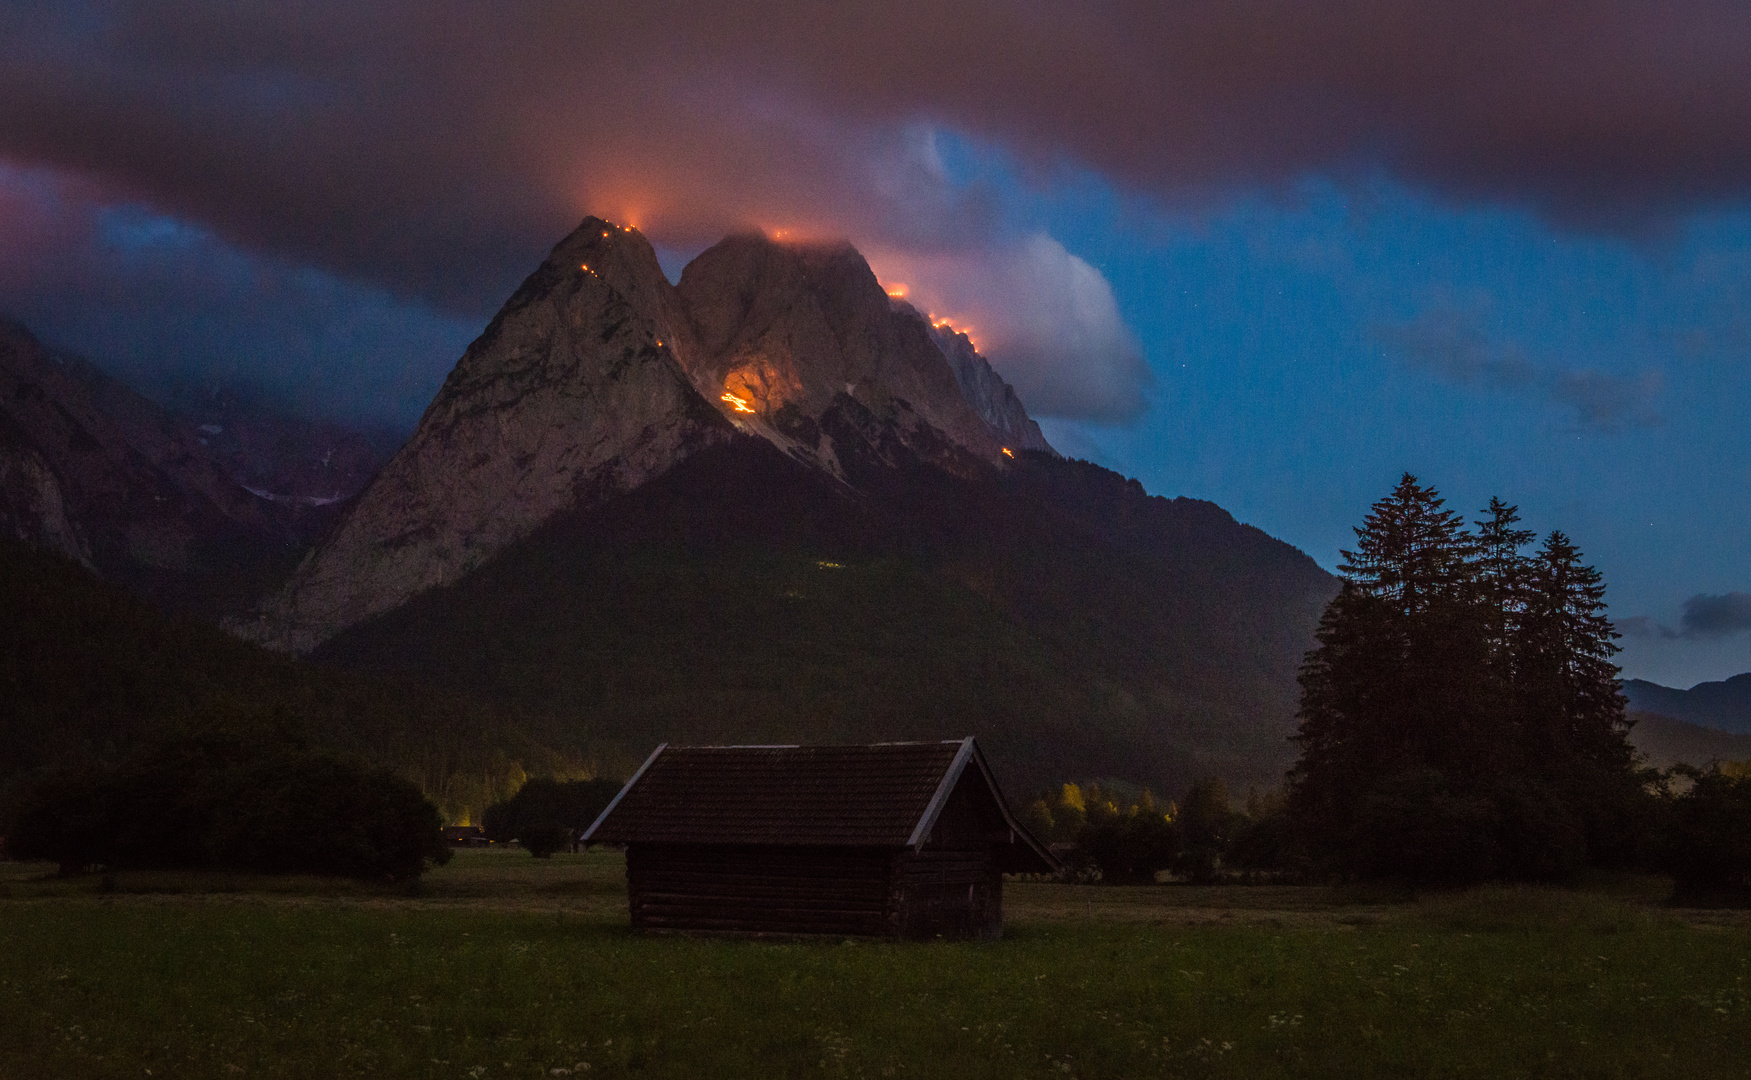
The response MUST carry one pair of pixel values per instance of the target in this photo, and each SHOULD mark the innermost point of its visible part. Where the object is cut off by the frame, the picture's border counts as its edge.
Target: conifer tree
(1504, 573)
(1567, 686)
(1411, 551)
(1402, 682)
(1461, 717)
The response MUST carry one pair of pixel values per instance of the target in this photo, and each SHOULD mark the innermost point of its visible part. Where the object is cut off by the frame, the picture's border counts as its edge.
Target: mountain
(1665, 741)
(294, 460)
(1075, 624)
(765, 503)
(202, 502)
(1724, 706)
(771, 503)
(93, 470)
(598, 375)
(571, 393)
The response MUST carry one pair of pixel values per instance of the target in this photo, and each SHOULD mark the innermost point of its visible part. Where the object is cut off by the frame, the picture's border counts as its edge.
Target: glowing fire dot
(898, 291)
(1007, 452)
(739, 403)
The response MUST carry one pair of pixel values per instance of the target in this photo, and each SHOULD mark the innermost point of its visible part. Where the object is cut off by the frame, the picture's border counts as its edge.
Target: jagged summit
(992, 398)
(598, 375)
(565, 397)
(802, 343)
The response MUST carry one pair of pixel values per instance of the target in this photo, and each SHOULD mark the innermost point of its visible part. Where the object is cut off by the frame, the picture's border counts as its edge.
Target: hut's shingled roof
(806, 795)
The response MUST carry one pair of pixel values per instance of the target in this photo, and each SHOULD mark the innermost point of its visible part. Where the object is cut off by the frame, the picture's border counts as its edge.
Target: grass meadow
(500, 966)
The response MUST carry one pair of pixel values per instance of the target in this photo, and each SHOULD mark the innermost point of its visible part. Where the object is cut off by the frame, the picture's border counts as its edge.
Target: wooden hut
(906, 840)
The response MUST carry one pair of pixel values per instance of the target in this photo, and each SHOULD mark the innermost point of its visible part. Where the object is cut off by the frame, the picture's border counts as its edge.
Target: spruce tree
(1504, 573)
(1461, 717)
(1411, 551)
(1567, 685)
(1401, 692)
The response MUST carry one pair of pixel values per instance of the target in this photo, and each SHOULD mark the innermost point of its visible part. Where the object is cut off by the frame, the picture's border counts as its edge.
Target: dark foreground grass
(1501, 983)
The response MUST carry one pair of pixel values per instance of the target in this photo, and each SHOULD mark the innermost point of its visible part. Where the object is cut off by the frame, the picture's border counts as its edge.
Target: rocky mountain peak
(565, 399)
(992, 398)
(598, 374)
(792, 337)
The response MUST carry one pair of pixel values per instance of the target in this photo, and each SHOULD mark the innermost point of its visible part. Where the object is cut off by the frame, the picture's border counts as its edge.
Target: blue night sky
(1270, 255)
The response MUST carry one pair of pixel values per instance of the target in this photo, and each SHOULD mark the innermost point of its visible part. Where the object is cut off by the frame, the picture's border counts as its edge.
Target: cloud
(160, 301)
(1451, 344)
(430, 145)
(1047, 319)
(432, 150)
(1707, 617)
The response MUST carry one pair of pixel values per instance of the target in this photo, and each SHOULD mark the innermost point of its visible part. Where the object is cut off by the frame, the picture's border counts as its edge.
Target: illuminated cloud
(429, 145)
(1047, 320)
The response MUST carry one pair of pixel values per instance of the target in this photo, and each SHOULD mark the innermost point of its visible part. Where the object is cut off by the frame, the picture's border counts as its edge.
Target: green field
(504, 967)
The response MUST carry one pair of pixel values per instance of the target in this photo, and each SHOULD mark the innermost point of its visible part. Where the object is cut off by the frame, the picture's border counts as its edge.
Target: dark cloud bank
(1706, 618)
(1453, 345)
(433, 150)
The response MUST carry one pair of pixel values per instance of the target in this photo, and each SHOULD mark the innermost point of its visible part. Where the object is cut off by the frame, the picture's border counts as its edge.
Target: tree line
(1461, 720)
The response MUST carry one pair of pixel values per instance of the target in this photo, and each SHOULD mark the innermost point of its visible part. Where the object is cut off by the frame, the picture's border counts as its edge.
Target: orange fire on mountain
(899, 290)
(943, 322)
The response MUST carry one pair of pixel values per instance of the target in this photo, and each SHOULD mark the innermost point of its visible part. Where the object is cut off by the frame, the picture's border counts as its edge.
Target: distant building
(465, 836)
(907, 840)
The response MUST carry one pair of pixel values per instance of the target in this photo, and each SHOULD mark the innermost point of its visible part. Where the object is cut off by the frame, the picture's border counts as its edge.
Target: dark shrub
(1708, 839)
(1264, 839)
(546, 815)
(323, 815)
(1542, 834)
(1130, 850)
(207, 801)
(1207, 824)
(543, 840)
(1413, 826)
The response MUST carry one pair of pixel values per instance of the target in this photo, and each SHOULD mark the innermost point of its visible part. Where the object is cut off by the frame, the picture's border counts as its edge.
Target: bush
(218, 802)
(547, 815)
(1207, 826)
(1130, 850)
(1708, 838)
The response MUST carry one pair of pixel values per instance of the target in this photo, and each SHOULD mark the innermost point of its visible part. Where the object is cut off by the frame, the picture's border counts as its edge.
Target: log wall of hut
(760, 889)
(949, 894)
(865, 892)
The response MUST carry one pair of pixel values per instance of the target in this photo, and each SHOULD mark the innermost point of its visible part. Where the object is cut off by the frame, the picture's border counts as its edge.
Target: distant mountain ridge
(146, 496)
(1724, 705)
(1664, 741)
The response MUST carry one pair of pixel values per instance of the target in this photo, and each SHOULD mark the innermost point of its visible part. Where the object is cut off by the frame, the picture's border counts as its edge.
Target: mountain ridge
(98, 472)
(1724, 705)
(598, 375)
(772, 503)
